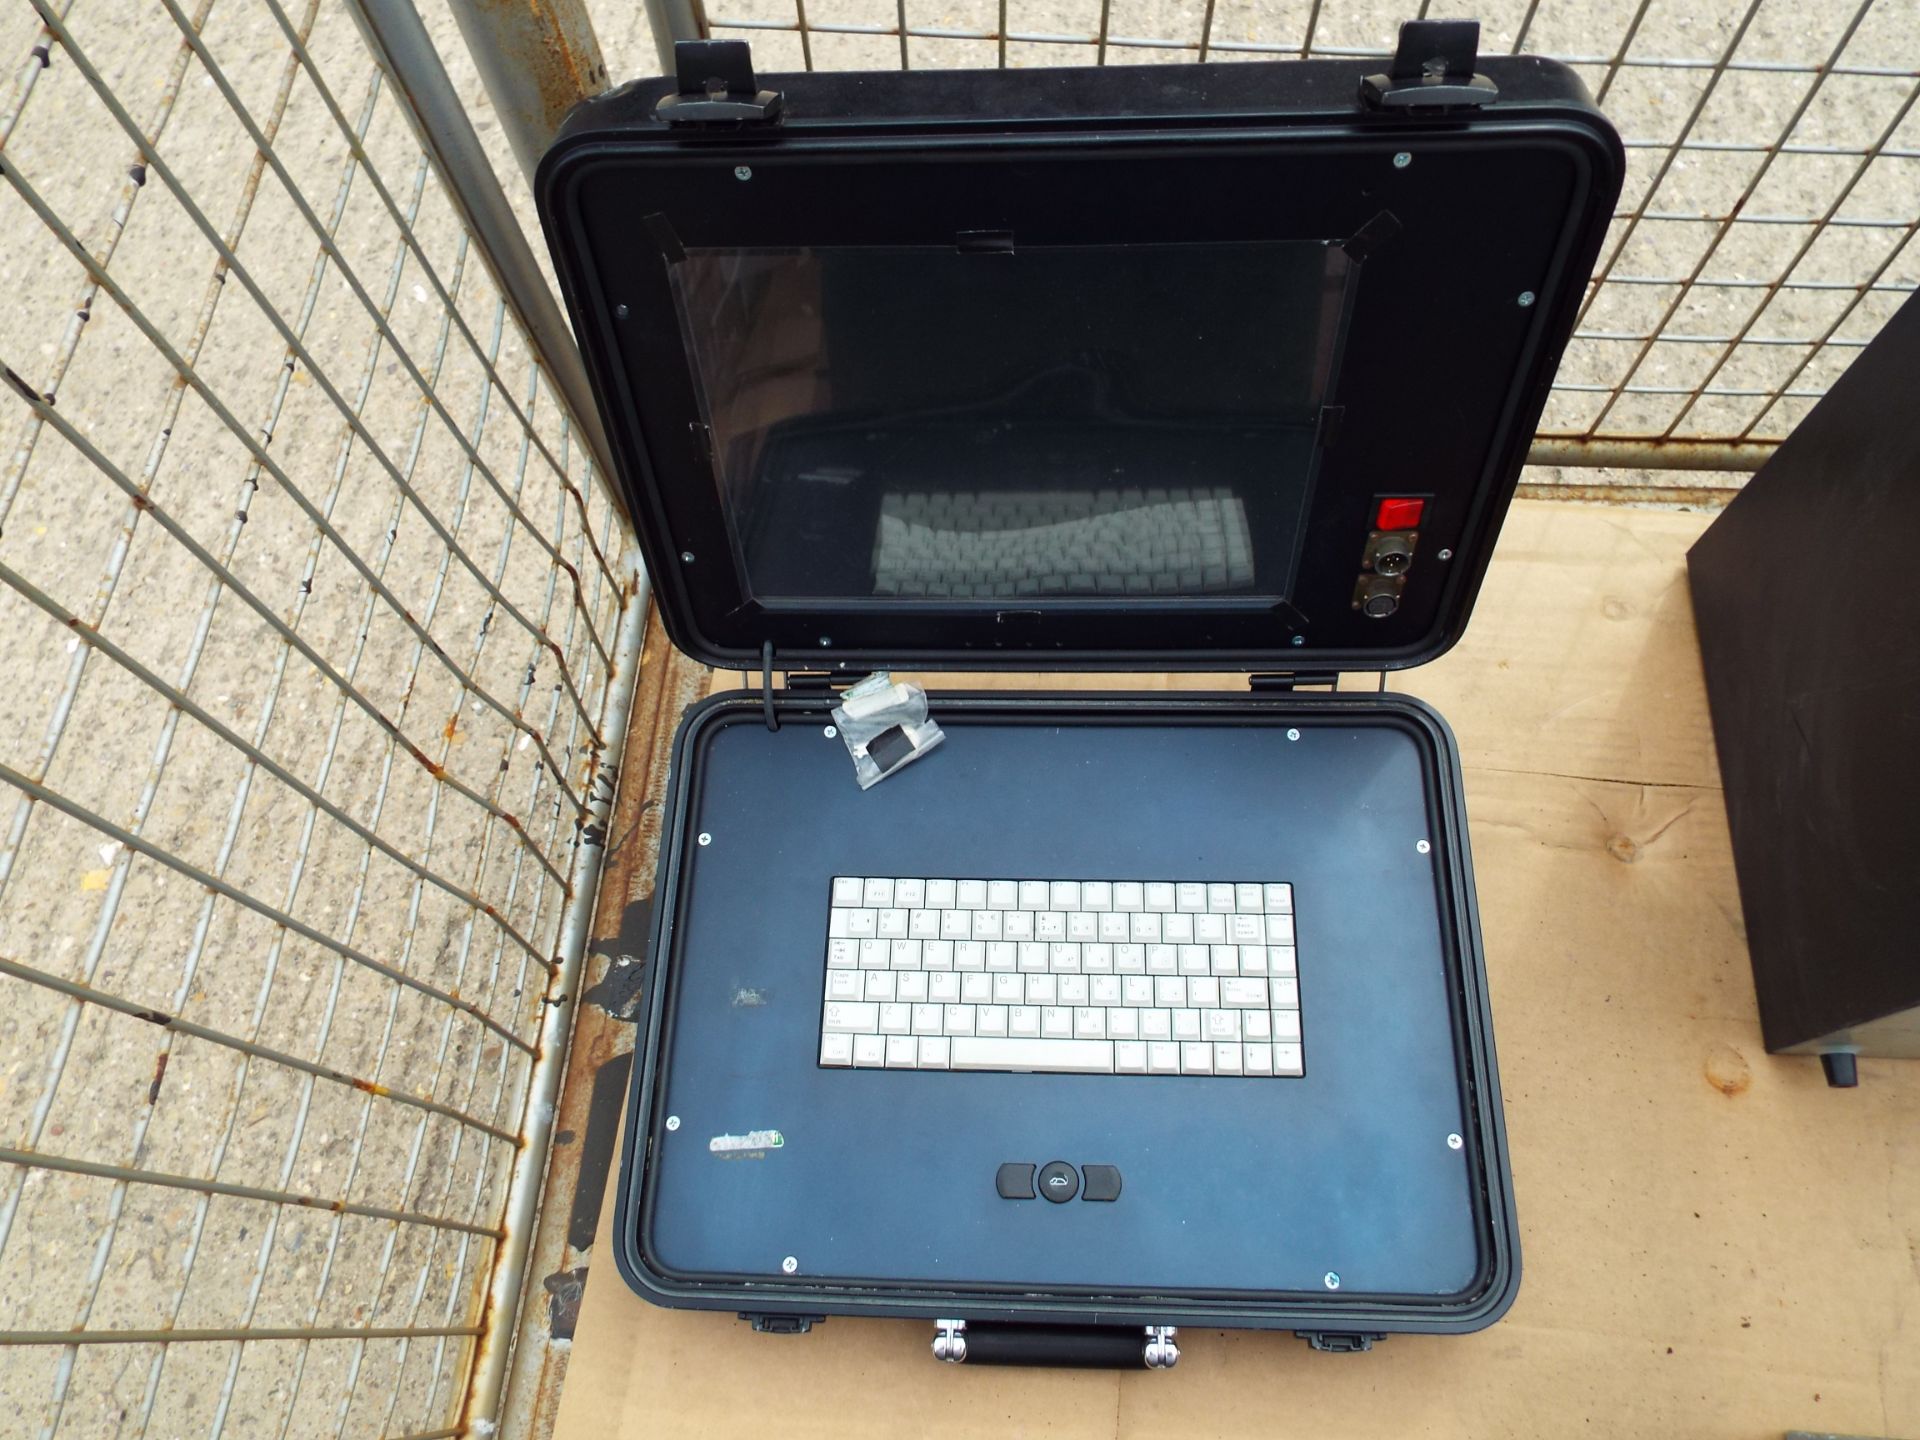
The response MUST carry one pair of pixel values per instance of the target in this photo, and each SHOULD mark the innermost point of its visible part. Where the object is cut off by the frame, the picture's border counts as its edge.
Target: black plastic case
(1430, 229)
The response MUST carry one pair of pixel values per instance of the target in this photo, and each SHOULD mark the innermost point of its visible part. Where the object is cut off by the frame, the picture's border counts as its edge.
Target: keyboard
(1088, 977)
(1067, 542)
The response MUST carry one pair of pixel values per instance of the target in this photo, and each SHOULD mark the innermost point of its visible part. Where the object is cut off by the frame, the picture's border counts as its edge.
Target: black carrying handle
(1077, 1347)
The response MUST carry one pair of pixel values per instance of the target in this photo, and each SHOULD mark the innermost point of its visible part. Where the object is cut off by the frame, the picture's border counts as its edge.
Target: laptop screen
(984, 424)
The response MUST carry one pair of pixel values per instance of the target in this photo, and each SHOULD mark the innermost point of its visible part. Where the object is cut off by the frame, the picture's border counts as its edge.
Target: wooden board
(1714, 1243)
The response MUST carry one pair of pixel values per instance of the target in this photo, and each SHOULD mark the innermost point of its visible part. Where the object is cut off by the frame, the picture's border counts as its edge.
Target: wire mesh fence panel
(1767, 226)
(313, 604)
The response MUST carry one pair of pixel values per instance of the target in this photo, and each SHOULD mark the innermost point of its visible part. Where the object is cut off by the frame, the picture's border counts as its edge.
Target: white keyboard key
(1203, 992)
(902, 1050)
(903, 954)
(1253, 959)
(1286, 994)
(1130, 959)
(847, 891)
(1001, 955)
(1156, 1024)
(1194, 961)
(1033, 894)
(926, 1019)
(1042, 989)
(1163, 1058)
(923, 924)
(1247, 899)
(1159, 895)
(969, 955)
(934, 1052)
(1226, 1059)
(1104, 990)
(976, 989)
(879, 986)
(1279, 929)
(1112, 926)
(936, 954)
(1050, 925)
(1192, 897)
(877, 894)
(1286, 1025)
(940, 894)
(863, 922)
(1286, 1060)
(893, 924)
(1130, 1057)
(1128, 895)
(843, 954)
(1219, 1025)
(1023, 1020)
(1281, 960)
(1177, 929)
(1063, 895)
(1017, 925)
(986, 924)
(990, 1020)
(1247, 929)
(1220, 899)
(956, 924)
(1223, 959)
(1136, 991)
(1072, 989)
(1196, 1058)
(1186, 1024)
(1122, 1024)
(909, 894)
(943, 987)
(1162, 959)
(970, 895)
(1056, 1022)
(1082, 925)
(1145, 927)
(875, 954)
(1002, 895)
(1089, 1022)
(1210, 929)
(1169, 992)
(958, 1020)
(910, 985)
(869, 1051)
(1009, 989)
(1244, 992)
(1096, 959)
(1033, 957)
(1279, 899)
(1257, 1059)
(1096, 895)
(837, 923)
(1086, 1057)
(1256, 1025)
(836, 1049)
(845, 985)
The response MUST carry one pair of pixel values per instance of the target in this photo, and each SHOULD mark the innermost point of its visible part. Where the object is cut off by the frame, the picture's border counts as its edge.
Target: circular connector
(1378, 607)
(1390, 561)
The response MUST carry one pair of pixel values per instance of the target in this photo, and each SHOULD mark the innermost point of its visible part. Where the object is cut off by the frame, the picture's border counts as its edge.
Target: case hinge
(1339, 1342)
(1101, 1347)
(1293, 680)
(717, 86)
(782, 1324)
(803, 682)
(1432, 70)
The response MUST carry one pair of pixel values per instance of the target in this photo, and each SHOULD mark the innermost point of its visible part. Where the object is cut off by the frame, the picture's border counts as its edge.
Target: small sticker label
(752, 1140)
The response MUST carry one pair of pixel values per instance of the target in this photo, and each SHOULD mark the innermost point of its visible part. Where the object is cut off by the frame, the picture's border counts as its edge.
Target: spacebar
(1085, 1057)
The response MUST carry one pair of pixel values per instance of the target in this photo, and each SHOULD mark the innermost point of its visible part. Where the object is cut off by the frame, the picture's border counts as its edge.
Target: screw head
(1446, 555)
(1526, 298)
(1293, 734)
(673, 1122)
(620, 312)
(790, 1264)
(743, 172)
(1299, 640)
(1332, 1280)
(830, 732)
(706, 839)
(1402, 160)
(1454, 1142)
(686, 557)
(826, 642)
(1423, 847)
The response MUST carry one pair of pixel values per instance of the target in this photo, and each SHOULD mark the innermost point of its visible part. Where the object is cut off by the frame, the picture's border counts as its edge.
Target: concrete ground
(77, 908)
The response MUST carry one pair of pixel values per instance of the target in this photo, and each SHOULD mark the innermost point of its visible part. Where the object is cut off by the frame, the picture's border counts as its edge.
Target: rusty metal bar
(1650, 454)
(538, 59)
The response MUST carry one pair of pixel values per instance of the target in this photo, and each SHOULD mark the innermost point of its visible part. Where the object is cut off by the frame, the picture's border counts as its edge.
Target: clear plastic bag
(885, 726)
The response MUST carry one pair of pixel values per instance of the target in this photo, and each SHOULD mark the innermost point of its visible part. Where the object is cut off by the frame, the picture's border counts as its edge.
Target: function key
(940, 894)
(878, 893)
(910, 894)
(971, 895)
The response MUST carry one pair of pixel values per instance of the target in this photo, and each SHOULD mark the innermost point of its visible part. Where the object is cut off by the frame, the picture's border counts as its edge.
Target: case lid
(1179, 367)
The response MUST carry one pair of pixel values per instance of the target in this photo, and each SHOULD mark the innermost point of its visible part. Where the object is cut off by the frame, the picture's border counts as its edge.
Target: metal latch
(1292, 679)
(1432, 70)
(782, 1324)
(950, 1341)
(1339, 1342)
(1098, 1346)
(717, 87)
